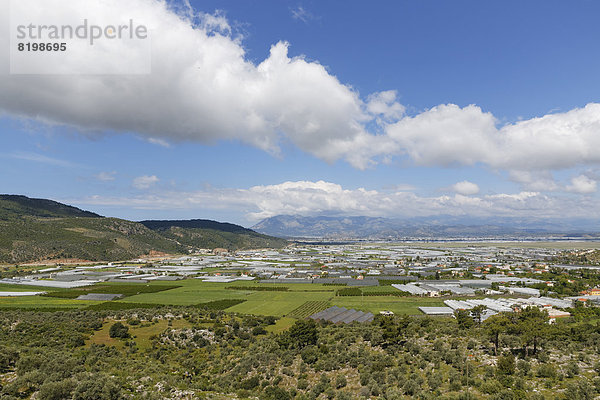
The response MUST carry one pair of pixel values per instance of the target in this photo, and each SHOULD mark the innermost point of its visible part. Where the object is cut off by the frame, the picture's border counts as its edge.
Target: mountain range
(361, 227)
(40, 229)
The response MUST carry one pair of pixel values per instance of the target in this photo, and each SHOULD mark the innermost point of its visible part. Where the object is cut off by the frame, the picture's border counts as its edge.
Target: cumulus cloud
(384, 104)
(465, 188)
(582, 184)
(204, 88)
(539, 181)
(145, 181)
(320, 197)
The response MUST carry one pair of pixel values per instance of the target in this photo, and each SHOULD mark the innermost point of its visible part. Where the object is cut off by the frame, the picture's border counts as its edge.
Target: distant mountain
(39, 229)
(337, 227)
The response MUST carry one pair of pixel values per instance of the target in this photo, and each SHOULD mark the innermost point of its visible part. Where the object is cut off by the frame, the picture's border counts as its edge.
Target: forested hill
(39, 230)
(196, 224)
(14, 206)
(205, 233)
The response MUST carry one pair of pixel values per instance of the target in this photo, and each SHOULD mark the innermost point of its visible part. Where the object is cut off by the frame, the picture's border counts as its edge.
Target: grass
(33, 302)
(141, 334)
(282, 324)
(277, 303)
(7, 287)
(191, 292)
(309, 308)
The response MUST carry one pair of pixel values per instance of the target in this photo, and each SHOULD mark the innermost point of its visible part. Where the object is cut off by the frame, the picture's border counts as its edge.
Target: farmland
(296, 301)
(308, 308)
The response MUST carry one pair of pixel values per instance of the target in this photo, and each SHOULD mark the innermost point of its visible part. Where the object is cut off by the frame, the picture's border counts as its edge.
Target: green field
(278, 303)
(194, 292)
(308, 308)
(191, 292)
(32, 302)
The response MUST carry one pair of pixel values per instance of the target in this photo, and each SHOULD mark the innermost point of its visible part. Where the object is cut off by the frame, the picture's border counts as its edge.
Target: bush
(219, 305)
(310, 355)
(275, 393)
(118, 330)
(250, 383)
(8, 359)
(546, 371)
(340, 381)
(506, 365)
(259, 330)
(56, 390)
(304, 333)
(97, 389)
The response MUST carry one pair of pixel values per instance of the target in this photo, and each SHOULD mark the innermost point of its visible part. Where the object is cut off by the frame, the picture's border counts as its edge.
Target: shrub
(304, 333)
(546, 371)
(250, 383)
(97, 389)
(506, 365)
(118, 330)
(56, 390)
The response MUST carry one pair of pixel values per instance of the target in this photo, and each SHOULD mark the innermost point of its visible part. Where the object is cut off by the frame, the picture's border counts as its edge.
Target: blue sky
(259, 108)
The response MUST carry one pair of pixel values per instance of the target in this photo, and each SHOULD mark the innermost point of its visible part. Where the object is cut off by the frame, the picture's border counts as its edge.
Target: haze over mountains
(40, 229)
(360, 227)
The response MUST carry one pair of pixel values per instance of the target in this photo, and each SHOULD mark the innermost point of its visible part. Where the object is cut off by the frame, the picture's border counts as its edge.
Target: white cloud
(314, 198)
(543, 181)
(384, 104)
(40, 158)
(465, 188)
(106, 176)
(582, 184)
(300, 13)
(204, 88)
(145, 181)
(537, 181)
(159, 142)
(450, 135)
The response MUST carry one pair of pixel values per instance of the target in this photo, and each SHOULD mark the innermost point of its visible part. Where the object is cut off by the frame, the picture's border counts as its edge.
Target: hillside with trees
(194, 352)
(38, 230)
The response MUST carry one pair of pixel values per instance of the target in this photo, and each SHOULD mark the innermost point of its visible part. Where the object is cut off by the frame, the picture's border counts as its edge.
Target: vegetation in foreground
(192, 352)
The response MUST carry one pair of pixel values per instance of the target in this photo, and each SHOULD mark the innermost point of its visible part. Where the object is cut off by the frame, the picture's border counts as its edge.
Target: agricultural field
(277, 303)
(190, 292)
(309, 308)
(41, 302)
(296, 301)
